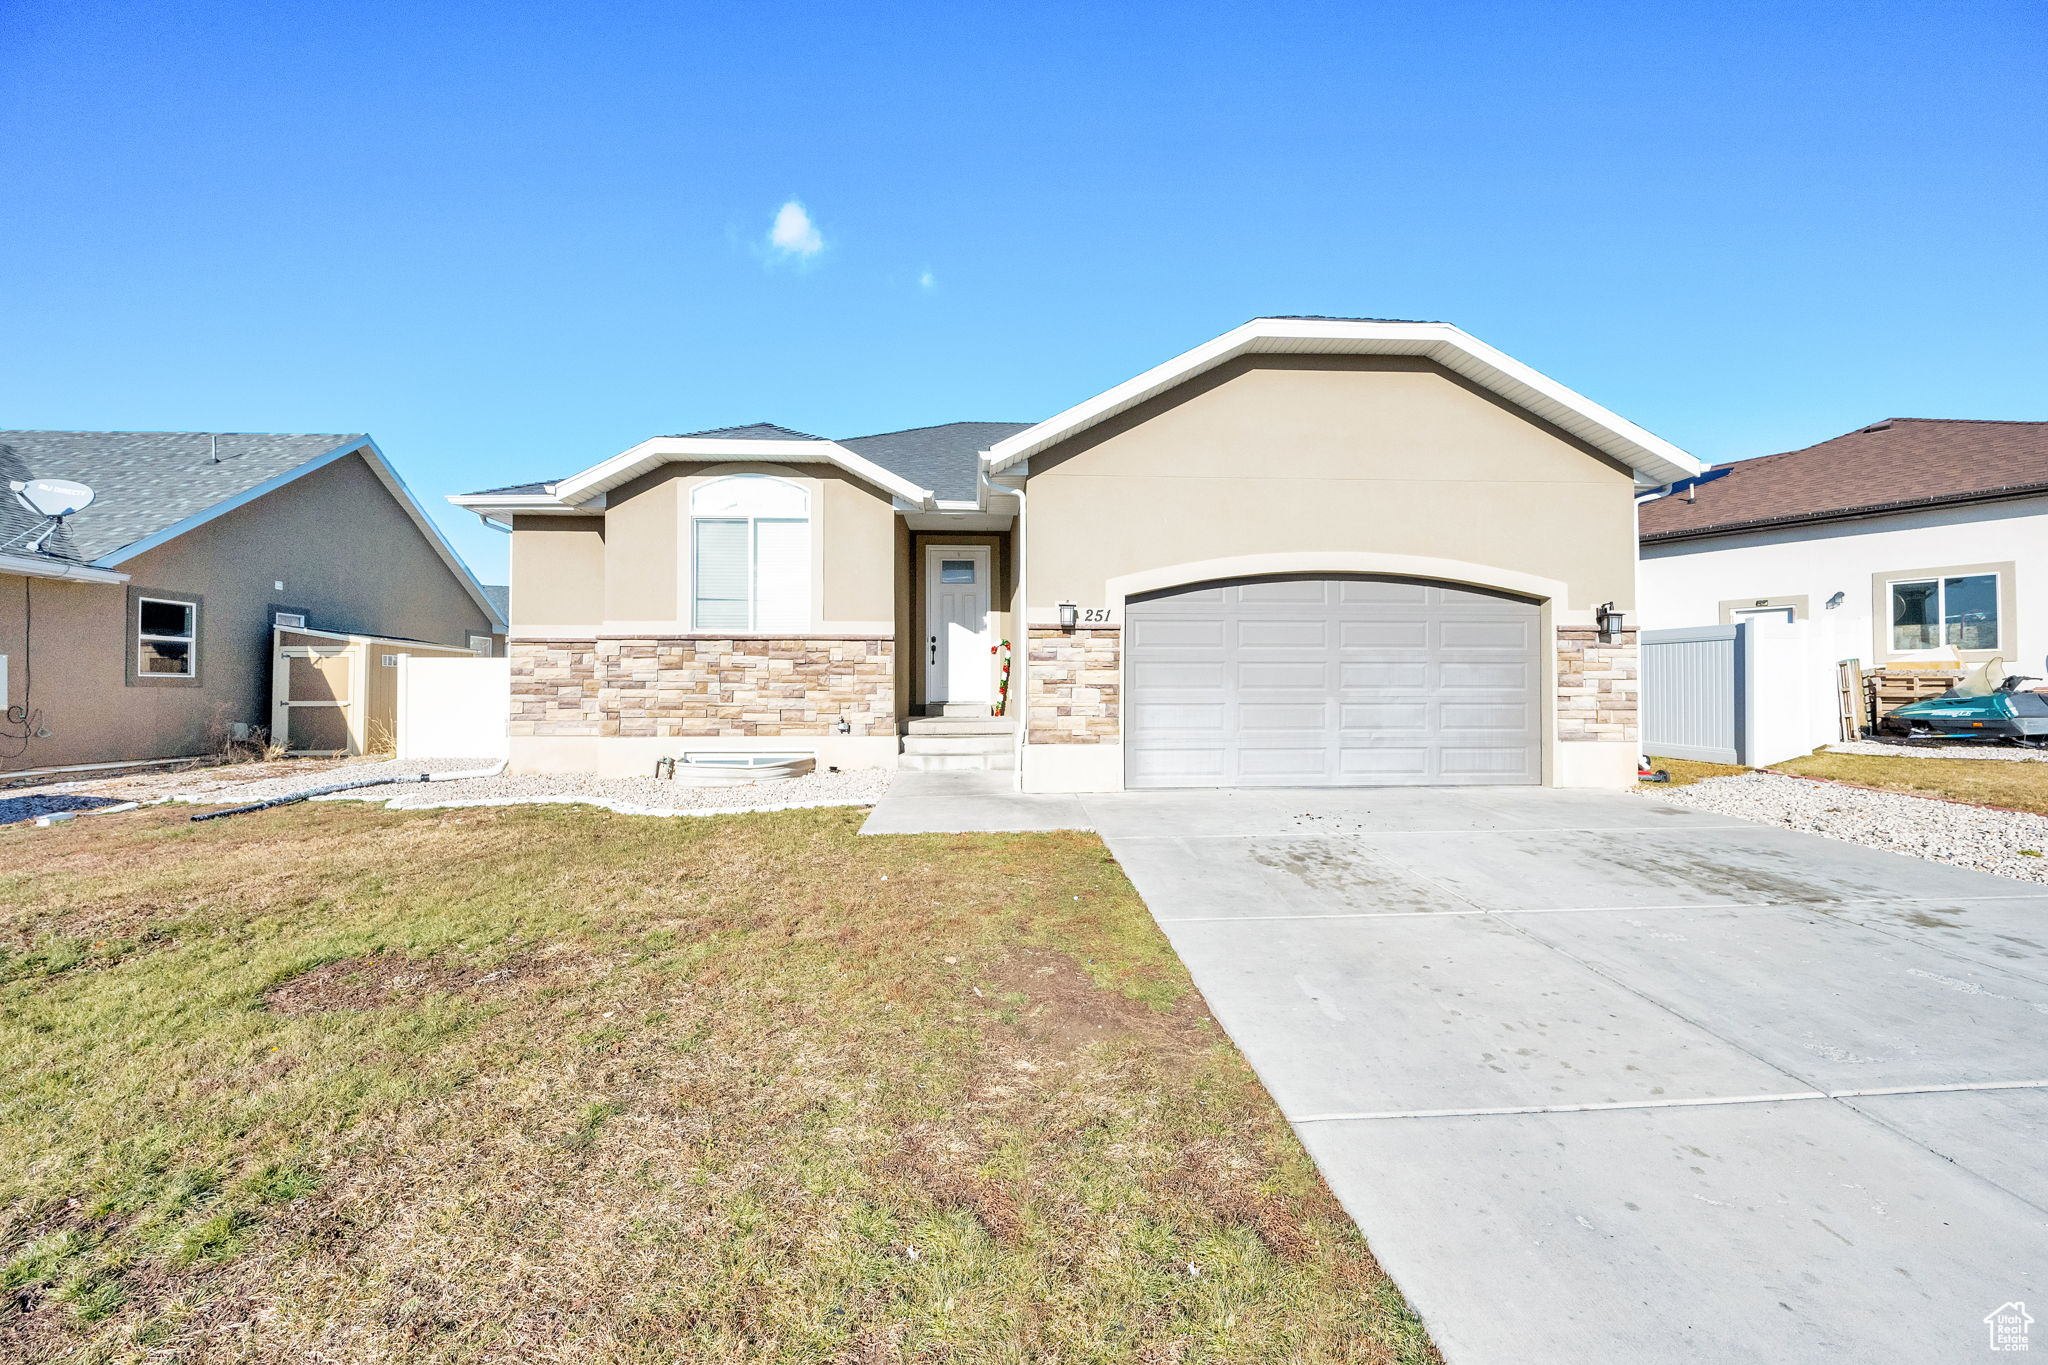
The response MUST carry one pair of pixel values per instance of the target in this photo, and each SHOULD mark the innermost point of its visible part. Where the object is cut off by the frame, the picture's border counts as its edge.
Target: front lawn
(1985, 781)
(342, 1084)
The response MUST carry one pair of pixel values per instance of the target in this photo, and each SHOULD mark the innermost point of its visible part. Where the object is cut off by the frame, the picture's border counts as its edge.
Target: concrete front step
(1005, 761)
(960, 725)
(956, 744)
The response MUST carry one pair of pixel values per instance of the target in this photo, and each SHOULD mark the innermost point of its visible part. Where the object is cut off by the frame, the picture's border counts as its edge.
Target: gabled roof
(1893, 465)
(1655, 460)
(918, 466)
(943, 458)
(151, 487)
(145, 481)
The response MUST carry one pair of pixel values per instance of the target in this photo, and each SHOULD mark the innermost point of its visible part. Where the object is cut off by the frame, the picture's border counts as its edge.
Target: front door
(957, 644)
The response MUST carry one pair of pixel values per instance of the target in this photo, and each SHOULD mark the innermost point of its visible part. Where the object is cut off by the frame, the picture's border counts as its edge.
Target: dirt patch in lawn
(1052, 1003)
(381, 979)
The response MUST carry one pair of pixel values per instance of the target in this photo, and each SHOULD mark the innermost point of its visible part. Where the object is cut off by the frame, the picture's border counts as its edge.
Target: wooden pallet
(1885, 690)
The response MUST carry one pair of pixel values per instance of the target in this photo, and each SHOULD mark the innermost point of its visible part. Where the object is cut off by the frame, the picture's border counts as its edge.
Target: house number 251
(1094, 615)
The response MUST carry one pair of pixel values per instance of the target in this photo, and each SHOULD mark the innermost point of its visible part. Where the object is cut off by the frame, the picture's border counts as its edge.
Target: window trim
(1881, 609)
(133, 637)
(753, 522)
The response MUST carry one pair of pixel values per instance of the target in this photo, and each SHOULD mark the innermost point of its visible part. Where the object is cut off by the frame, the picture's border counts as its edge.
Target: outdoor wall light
(1836, 600)
(845, 727)
(1069, 614)
(1610, 621)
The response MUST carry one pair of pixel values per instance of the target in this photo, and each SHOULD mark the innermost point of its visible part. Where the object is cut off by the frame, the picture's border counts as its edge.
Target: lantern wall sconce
(1069, 614)
(1610, 621)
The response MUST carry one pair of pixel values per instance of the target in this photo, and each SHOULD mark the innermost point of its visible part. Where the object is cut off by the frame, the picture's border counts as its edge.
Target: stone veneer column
(1074, 686)
(657, 687)
(1597, 685)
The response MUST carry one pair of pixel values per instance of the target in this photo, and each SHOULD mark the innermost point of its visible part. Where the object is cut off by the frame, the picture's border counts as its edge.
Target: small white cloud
(794, 235)
(927, 281)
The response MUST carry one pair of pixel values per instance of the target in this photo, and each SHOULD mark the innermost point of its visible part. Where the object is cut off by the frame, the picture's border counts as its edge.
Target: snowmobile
(1977, 708)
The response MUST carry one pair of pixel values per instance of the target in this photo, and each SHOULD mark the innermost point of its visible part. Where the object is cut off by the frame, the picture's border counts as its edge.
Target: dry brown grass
(1982, 781)
(339, 1084)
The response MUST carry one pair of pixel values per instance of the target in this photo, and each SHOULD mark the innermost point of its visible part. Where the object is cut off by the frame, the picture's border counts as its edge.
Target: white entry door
(957, 643)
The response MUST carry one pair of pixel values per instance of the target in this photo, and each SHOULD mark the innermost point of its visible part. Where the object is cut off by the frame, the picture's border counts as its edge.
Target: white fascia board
(43, 566)
(631, 464)
(379, 466)
(1654, 459)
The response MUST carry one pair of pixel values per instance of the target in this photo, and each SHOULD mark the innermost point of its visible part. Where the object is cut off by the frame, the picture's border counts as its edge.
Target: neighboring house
(143, 628)
(1900, 541)
(1312, 551)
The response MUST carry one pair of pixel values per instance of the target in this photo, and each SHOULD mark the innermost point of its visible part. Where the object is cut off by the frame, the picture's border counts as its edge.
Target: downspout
(1021, 695)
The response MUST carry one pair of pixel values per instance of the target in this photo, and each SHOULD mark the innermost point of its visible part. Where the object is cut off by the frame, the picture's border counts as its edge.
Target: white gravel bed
(636, 795)
(1943, 831)
(1928, 750)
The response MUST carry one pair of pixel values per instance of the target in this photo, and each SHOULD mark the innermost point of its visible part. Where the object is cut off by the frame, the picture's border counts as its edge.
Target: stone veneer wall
(698, 687)
(1597, 685)
(1074, 686)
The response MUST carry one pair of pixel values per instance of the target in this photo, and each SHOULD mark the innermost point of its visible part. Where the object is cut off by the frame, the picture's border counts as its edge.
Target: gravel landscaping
(2009, 843)
(1886, 749)
(238, 784)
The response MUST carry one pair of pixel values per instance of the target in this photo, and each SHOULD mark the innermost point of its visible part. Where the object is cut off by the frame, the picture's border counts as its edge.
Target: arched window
(750, 560)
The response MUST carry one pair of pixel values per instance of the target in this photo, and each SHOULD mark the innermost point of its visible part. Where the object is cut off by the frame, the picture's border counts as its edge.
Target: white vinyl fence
(1755, 693)
(454, 708)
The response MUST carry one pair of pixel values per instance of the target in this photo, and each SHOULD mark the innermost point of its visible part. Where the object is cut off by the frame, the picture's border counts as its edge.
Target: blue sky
(511, 239)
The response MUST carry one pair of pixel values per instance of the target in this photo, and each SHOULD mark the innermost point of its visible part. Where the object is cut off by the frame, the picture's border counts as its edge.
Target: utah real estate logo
(2008, 1325)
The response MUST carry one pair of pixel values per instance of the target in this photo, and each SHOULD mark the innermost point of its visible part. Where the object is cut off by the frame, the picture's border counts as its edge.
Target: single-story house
(144, 625)
(1312, 551)
(1900, 541)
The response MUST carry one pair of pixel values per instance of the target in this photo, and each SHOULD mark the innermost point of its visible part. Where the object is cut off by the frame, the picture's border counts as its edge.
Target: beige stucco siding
(1305, 455)
(348, 555)
(628, 571)
(557, 571)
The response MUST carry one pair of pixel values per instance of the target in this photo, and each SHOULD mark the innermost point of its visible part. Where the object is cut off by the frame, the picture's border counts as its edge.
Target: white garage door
(1331, 682)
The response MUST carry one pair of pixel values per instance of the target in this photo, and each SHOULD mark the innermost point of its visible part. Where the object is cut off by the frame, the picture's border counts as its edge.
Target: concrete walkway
(1606, 1080)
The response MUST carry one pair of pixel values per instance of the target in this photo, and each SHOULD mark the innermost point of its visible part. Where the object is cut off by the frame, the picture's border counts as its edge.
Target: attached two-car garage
(1336, 681)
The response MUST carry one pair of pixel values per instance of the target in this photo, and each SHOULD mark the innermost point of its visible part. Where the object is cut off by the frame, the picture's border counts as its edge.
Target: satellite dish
(52, 497)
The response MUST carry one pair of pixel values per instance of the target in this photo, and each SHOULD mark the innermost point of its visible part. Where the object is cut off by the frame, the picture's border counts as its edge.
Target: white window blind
(720, 575)
(750, 557)
(782, 575)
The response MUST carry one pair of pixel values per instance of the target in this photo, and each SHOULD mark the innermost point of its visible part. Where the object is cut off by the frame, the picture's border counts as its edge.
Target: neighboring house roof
(1899, 463)
(501, 599)
(1654, 460)
(151, 487)
(144, 481)
(943, 458)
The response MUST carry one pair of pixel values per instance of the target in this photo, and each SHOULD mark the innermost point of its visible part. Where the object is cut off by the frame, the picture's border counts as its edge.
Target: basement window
(166, 638)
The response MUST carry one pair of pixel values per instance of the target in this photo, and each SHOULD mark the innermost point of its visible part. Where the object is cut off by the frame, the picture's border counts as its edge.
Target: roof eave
(1874, 509)
(48, 566)
(1654, 460)
(652, 454)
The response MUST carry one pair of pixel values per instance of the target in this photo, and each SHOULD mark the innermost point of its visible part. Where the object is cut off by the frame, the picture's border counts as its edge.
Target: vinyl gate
(1696, 693)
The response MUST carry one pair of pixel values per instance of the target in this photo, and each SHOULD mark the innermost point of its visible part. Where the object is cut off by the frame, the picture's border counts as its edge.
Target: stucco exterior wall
(629, 570)
(349, 557)
(1301, 454)
(1693, 582)
(1308, 464)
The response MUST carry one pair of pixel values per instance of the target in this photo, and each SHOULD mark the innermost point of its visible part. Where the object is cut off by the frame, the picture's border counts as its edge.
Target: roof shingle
(1896, 463)
(144, 482)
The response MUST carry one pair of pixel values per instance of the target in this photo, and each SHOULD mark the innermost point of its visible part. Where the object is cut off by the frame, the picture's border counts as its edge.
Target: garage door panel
(1284, 633)
(1387, 676)
(1175, 632)
(1383, 761)
(1396, 716)
(1332, 681)
(1282, 592)
(1280, 716)
(1371, 592)
(1478, 634)
(1383, 634)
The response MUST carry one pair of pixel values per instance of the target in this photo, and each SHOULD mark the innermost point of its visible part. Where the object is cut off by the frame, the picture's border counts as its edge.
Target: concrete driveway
(1605, 1080)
